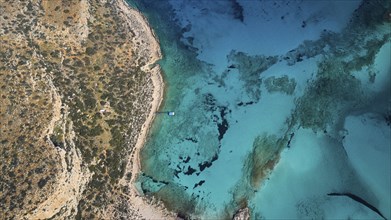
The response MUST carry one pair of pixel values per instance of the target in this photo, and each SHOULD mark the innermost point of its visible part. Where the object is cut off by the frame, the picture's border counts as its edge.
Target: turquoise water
(265, 95)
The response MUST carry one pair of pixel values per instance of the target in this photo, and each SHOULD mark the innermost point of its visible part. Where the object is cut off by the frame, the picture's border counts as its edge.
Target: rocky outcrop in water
(242, 214)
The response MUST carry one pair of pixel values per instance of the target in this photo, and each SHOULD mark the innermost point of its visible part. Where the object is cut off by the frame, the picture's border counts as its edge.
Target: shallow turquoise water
(261, 90)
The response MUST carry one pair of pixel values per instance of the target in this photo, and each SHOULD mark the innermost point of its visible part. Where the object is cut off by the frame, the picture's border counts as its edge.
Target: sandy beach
(150, 49)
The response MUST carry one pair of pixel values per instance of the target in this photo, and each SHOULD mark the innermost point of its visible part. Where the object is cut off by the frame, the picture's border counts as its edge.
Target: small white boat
(168, 113)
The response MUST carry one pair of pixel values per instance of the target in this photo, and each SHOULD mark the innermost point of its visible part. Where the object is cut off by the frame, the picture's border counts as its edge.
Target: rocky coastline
(79, 92)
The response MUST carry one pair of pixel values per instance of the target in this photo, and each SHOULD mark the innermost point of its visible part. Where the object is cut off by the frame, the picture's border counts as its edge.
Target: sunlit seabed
(278, 106)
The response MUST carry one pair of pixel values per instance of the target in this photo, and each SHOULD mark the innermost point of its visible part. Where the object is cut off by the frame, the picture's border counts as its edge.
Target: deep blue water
(270, 100)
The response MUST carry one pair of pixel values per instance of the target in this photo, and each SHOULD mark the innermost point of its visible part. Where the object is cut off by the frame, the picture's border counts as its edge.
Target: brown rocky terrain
(78, 93)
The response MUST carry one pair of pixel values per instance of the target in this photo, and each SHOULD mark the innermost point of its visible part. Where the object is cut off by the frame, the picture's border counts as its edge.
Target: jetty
(169, 113)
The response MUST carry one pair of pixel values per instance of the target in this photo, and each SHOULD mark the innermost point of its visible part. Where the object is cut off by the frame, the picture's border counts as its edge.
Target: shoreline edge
(147, 208)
